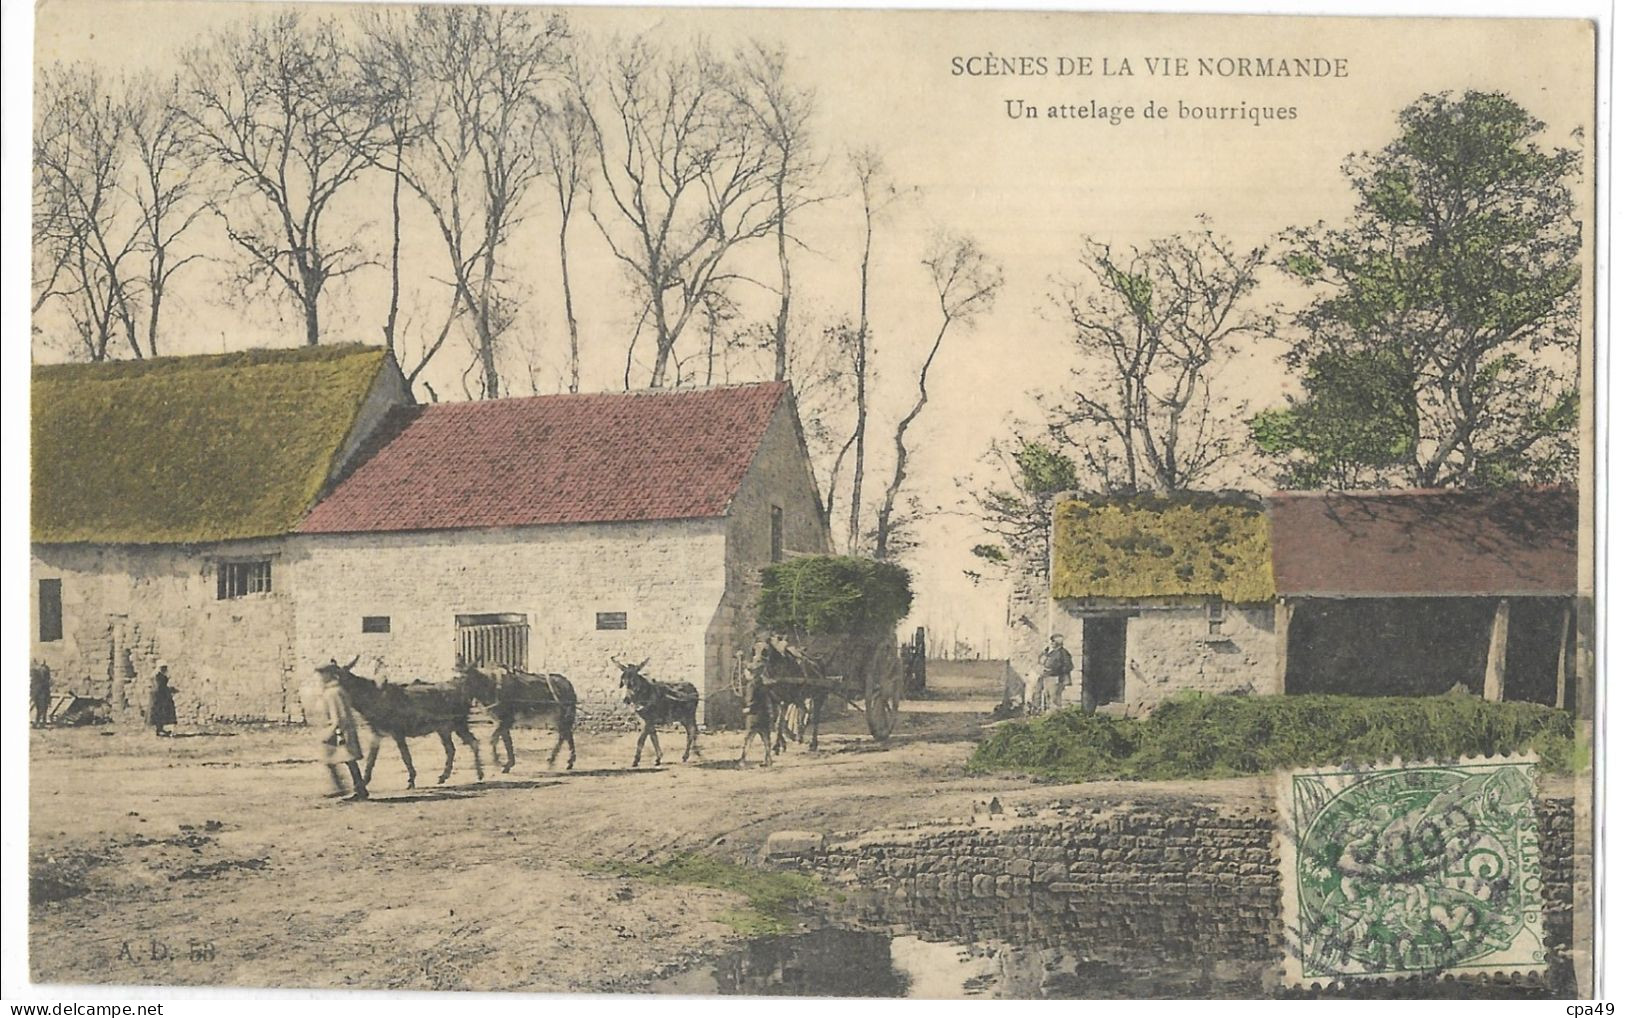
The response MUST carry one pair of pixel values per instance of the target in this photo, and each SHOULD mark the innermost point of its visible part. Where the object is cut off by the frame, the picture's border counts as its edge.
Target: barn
(243, 517)
(165, 495)
(556, 531)
(1366, 593)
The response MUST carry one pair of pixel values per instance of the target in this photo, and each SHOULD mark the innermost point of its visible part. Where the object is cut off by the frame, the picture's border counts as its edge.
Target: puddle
(839, 961)
(1042, 946)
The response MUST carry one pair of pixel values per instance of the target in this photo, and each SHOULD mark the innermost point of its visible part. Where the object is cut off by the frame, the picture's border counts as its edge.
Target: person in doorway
(161, 705)
(1055, 666)
(328, 708)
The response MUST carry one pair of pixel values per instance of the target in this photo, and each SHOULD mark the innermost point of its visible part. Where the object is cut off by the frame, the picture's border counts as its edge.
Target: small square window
(1215, 618)
(612, 620)
(375, 623)
(239, 579)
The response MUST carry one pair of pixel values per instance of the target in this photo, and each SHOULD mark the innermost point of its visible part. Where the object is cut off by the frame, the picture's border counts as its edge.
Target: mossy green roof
(180, 450)
(1162, 547)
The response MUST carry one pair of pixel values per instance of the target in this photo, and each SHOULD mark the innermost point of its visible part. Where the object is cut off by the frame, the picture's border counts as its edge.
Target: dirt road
(213, 859)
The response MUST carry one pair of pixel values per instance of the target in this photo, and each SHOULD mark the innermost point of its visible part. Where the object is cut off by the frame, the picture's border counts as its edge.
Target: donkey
(660, 703)
(511, 695)
(403, 712)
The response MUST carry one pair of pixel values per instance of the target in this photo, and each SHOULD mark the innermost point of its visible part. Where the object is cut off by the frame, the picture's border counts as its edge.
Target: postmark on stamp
(1411, 869)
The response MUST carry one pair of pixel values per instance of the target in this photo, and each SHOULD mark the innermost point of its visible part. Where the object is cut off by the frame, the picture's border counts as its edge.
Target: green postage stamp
(1411, 870)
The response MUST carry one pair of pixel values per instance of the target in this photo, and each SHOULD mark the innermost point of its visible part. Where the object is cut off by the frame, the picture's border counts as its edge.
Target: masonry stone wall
(1171, 650)
(780, 475)
(667, 577)
(1163, 888)
(127, 608)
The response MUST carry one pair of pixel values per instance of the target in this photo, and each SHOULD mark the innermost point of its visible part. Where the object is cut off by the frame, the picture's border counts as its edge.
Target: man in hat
(1055, 670)
(327, 708)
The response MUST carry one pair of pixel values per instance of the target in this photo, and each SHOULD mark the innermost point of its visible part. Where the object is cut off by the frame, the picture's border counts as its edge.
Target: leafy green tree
(1017, 511)
(1355, 425)
(1447, 306)
(1154, 327)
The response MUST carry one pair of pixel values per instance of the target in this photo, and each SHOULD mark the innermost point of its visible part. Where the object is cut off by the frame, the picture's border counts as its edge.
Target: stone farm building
(1366, 593)
(245, 517)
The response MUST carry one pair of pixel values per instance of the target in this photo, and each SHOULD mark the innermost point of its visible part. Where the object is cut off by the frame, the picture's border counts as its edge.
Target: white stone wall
(125, 609)
(1171, 651)
(667, 577)
(779, 476)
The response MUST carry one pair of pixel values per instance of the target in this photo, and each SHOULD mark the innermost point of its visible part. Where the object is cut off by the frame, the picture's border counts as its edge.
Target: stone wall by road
(1179, 889)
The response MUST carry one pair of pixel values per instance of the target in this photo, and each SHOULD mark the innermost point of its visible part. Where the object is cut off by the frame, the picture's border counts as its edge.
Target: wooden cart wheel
(883, 687)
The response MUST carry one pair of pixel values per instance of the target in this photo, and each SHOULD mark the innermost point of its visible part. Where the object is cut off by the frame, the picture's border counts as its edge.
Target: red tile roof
(605, 457)
(1426, 543)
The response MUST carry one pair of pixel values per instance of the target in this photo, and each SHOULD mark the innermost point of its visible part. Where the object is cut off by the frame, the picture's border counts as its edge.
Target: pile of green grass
(771, 897)
(824, 594)
(1223, 736)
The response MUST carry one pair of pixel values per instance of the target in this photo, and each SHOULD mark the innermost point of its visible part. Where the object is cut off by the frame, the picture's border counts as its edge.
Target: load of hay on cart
(826, 626)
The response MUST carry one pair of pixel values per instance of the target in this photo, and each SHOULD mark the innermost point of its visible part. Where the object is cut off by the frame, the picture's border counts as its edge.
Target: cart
(856, 667)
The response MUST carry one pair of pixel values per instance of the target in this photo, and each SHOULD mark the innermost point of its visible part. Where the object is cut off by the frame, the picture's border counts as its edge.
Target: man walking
(328, 709)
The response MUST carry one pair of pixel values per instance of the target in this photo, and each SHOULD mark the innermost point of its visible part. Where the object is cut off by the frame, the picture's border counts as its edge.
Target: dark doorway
(1105, 654)
(1538, 641)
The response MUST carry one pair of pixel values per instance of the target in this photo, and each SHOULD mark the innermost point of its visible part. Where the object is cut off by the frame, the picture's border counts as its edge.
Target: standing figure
(161, 706)
(761, 712)
(1055, 669)
(327, 707)
(39, 692)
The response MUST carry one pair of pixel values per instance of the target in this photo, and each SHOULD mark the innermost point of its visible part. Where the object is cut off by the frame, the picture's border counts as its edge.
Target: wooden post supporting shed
(1495, 663)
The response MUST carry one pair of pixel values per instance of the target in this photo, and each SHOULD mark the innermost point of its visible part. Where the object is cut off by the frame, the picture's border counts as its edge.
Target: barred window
(239, 579)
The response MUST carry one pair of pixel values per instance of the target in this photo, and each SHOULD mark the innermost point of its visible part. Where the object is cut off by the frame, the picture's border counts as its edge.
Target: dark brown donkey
(511, 696)
(406, 712)
(660, 703)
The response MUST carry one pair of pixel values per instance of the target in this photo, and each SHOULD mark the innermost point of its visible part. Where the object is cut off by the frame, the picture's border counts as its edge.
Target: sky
(1027, 189)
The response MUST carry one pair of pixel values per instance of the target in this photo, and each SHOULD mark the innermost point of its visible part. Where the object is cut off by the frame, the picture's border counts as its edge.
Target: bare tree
(828, 378)
(470, 85)
(432, 329)
(1155, 325)
(271, 108)
(55, 233)
(81, 148)
(685, 179)
(878, 193)
(167, 190)
(568, 142)
(967, 282)
(783, 115)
